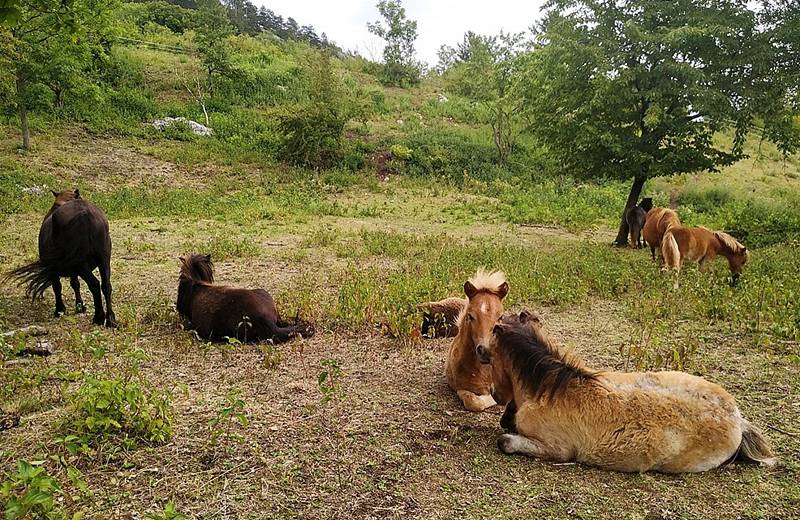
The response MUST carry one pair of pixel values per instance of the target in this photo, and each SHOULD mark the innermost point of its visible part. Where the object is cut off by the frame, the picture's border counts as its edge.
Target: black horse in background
(73, 241)
(635, 217)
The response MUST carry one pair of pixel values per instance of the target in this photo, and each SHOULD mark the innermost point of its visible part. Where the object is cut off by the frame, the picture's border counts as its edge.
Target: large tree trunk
(633, 198)
(23, 113)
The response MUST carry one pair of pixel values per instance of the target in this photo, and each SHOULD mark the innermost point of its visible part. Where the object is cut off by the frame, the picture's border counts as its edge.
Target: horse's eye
(471, 317)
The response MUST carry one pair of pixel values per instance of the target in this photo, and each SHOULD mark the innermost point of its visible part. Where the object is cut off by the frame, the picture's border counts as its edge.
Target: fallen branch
(790, 434)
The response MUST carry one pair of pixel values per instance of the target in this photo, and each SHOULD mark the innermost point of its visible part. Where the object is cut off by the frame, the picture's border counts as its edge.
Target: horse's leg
(80, 308)
(511, 443)
(60, 307)
(474, 402)
(94, 288)
(509, 420)
(105, 280)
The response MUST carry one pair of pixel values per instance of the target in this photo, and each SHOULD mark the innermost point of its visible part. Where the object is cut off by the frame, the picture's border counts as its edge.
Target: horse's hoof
(80, 308)
(58, 314)
(505, 443)
(110, 321)
(99, 319)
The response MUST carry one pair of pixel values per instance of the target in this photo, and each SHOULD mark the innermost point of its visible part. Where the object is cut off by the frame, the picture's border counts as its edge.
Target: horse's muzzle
(483, 354)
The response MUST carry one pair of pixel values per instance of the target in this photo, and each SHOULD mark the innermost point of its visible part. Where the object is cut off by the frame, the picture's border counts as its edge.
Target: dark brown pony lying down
(439, 318)
(219, 311)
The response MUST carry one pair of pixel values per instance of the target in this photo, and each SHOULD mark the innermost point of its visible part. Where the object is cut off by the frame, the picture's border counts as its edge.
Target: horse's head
(485, 293)
(62, 197)
(736, 253)
(646, 204)
(502, 386)
(197, 267)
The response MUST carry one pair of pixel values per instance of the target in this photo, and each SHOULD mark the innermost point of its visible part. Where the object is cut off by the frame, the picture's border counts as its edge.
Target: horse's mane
(195, 270)
(483, 281)
(197, 267)
(489, 281)
(540, 367)
(730, 243)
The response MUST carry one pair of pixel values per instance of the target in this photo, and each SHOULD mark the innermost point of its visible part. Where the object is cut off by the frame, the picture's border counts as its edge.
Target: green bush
(314, 131)
(117, 414)
(30, 493)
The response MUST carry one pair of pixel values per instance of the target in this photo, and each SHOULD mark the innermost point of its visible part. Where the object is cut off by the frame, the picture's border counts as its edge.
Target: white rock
(195, 127)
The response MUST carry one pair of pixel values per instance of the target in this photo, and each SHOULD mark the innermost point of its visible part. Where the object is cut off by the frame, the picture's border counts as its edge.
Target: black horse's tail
(281, 331)
(57, 256)
(37, 275)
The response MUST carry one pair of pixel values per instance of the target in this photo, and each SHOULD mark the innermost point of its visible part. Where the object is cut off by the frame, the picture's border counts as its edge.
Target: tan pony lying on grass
(471, 379)
(701, 245)
(641, 421)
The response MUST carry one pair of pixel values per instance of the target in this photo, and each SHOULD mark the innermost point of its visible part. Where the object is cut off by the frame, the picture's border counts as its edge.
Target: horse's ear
(525, 316)
(470, 289)
(77, 193)
(55, 193)
(208, 258)
(502, 291)
(498, 328)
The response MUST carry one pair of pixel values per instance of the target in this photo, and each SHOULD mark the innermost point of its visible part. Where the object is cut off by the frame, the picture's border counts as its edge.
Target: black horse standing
(73, 241)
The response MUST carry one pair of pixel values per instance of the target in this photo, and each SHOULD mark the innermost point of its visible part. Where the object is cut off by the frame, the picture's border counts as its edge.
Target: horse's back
(75, 236)
(693, 242)
(635, 216)
(643, 421)
(657, 222)
(218, 310)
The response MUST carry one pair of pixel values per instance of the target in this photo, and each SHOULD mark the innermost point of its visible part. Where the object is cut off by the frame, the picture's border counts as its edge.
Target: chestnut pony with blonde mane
(470, 379)
(702, 246)
(640, 421)
(657, 222)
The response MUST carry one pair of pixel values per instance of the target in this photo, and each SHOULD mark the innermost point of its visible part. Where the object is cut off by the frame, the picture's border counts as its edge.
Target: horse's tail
(38, 276)
(280, 332)
(670, 251)
(754, 447)
(61, 253)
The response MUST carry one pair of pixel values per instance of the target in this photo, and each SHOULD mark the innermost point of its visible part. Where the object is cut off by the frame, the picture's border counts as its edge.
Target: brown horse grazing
(218, 311)
(471, 380)
(641, 421)
(73, 241)
(439, 318)
(702, 245)
(658, 221)
(635, 217)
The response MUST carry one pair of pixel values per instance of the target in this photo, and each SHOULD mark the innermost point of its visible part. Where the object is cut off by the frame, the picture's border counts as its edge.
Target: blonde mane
(489, 281)
(483, 280)
(730, 243)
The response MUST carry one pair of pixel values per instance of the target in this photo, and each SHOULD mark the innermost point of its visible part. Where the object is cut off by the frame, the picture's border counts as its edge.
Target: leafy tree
(314, 130)
(38, 48)
(400, 68)
(638, 88)
(486, 72)
(212, 32)
(244, 16)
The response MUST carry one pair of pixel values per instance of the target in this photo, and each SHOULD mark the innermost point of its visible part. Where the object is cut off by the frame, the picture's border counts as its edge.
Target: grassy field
(256, 433)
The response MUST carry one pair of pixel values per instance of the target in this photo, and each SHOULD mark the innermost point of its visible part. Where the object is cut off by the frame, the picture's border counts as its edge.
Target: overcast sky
(438, 21)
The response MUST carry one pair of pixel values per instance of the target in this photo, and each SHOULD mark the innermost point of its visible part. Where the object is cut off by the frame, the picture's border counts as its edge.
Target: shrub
(313, 132)
(117, 414)
(30, 493)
